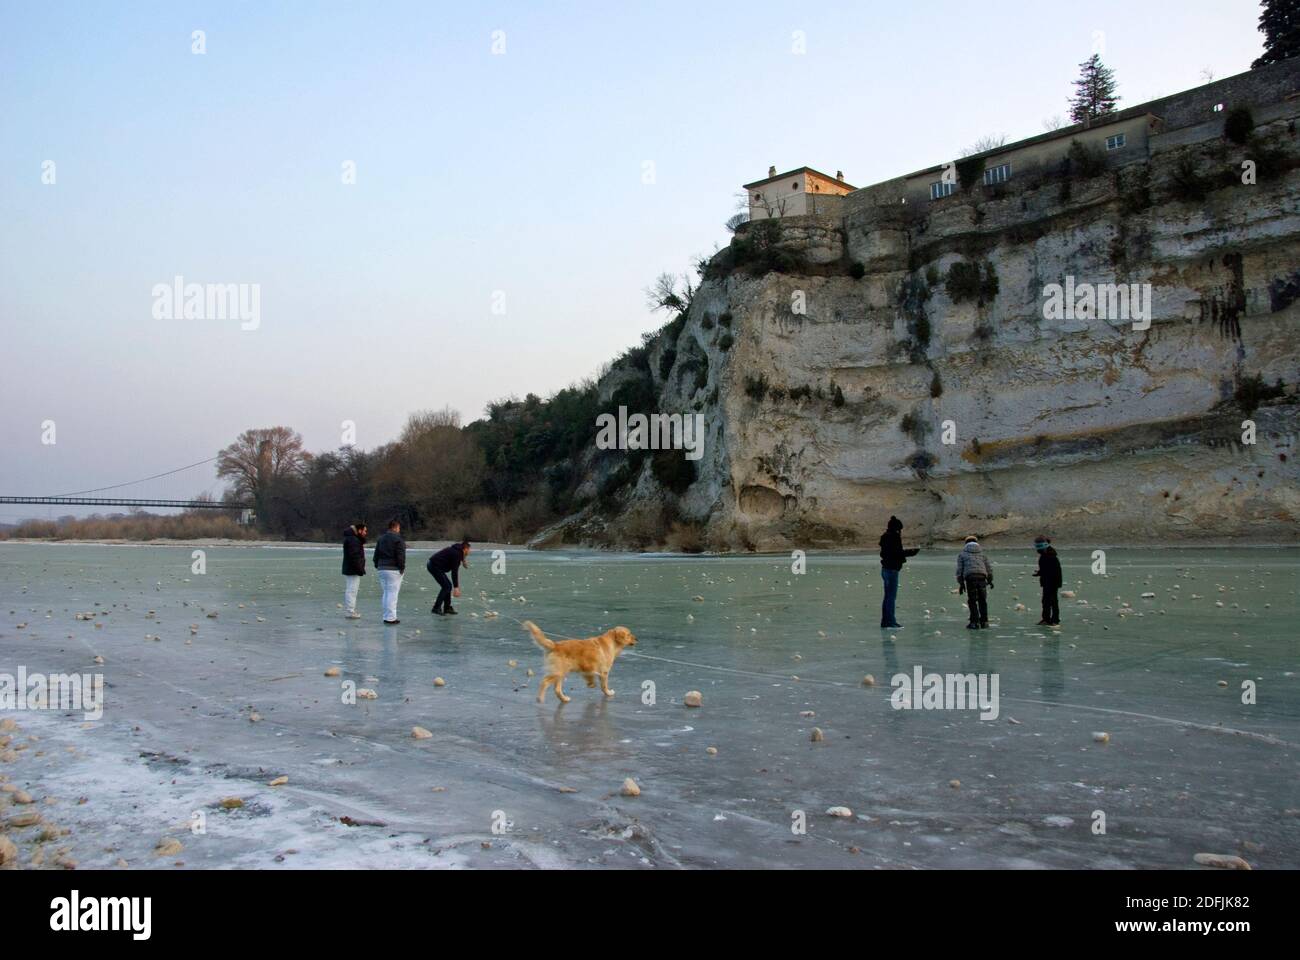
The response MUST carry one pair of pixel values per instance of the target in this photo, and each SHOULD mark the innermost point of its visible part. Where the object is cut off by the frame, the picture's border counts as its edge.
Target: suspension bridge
(84, 498)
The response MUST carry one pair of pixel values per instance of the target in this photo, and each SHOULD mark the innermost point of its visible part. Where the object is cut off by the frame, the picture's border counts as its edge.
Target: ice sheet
(1188, 767)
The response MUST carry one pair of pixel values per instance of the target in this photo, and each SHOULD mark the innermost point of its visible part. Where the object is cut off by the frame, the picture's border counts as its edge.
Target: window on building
(940, 189)
(1218, 108)
(796, 185)
(999, 174)
(1115, 142)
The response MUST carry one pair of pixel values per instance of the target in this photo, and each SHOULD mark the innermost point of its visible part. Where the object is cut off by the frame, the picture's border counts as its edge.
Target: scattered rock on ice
(693, 698)
(168, 847)
(231, 803)
(630, 789)
(365, 693)
(839, 812)
(868, 681)
(8, 851)
(439, 682)
(955, 784)
(711, 751)
(278, 782)
(419, 733)
(1068, 594)
(1101, 736)
(332, 672)
(817, 735)
(1221, 860)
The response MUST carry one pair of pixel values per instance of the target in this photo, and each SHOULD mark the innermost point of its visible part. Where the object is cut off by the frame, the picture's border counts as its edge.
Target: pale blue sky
(476, 172)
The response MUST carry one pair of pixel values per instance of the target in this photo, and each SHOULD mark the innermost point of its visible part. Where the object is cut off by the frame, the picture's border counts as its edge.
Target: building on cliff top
(795, 193)
(1118, 138)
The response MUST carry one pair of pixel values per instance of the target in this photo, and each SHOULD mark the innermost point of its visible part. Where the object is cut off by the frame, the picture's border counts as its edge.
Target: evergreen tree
(1094, 91)
(1280, 24)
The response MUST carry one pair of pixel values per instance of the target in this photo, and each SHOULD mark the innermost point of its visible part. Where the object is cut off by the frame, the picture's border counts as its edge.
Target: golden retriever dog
(592, 658)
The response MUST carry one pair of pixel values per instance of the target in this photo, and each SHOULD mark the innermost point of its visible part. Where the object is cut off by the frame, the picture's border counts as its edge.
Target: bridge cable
(141, 480)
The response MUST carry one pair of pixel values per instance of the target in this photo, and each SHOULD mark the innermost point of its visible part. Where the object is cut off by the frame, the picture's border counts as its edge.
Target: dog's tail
(538, 637)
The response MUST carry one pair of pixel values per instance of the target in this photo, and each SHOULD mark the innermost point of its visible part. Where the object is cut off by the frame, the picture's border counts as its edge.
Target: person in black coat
(390, 562)
(448, 560)
(892, 558)
(1050, 579)
(354, 567)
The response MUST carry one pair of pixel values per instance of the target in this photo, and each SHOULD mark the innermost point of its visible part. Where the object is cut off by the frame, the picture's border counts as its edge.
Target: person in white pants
(354, 567)
(390, 561)
(391, 582)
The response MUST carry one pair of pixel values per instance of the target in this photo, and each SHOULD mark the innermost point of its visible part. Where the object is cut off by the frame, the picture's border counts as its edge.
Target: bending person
(446, 561)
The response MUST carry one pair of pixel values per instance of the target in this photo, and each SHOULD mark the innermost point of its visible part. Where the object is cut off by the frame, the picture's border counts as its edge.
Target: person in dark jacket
(354, 567)
(390, 561)
(448, 560)
(1049, 578)
(892, 558)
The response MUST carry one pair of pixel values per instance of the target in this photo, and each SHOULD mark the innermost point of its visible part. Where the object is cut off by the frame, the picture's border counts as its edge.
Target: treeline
(499, 479)
(192, 525)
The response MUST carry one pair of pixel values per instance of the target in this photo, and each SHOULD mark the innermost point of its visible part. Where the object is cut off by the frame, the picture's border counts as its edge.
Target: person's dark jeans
(1051, 605)
(444, 595)
(977, 599)
(887, 615)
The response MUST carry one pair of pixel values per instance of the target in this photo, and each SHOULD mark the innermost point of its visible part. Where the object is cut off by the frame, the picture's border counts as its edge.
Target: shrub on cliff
(969, 171)
(756, 387)
(1187, 183)
(756, 252)
(1082, 163)
(673, 471)
(1253, 391)
(1239, 124)
(968, 280)
(666, 361)
(725, 342)
(915, 426)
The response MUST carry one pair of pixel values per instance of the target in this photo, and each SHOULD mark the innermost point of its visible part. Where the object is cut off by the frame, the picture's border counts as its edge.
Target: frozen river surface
(199, 714)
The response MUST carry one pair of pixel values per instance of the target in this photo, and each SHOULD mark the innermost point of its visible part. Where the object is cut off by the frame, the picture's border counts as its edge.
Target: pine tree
(1094, 91)
(1280, 24)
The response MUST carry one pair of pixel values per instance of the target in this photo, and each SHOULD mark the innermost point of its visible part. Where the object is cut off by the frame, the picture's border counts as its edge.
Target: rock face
(907, 360)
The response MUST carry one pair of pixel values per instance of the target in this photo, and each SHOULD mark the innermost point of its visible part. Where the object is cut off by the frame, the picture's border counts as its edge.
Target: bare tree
(988, 142)
(433, 471)
(261, 463)
(1054, 122)
(665, 294)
